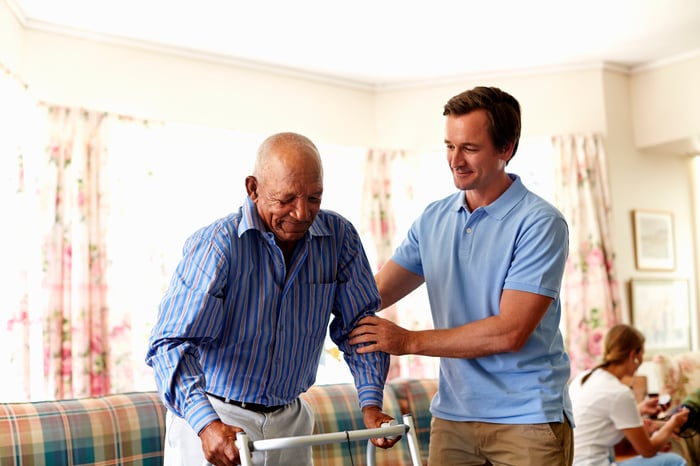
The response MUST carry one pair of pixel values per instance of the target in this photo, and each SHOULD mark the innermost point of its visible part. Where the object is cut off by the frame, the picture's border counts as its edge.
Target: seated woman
(605, 410)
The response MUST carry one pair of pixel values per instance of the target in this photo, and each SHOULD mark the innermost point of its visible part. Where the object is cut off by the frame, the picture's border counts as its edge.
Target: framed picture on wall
(654, 247)
(661, 311)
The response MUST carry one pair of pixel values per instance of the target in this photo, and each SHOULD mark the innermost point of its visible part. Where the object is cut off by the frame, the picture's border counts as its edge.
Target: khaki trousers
(484, 444)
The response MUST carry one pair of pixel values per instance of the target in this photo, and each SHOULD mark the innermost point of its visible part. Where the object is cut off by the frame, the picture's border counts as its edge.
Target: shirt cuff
(371, 396)
(200, 415)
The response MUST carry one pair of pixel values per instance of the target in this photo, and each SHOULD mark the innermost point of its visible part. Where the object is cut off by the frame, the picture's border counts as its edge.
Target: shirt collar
(250, 220)
(504, 203)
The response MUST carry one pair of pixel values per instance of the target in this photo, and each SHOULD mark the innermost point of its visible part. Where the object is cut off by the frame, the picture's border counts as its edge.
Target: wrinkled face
(288, 197)
(473, 159)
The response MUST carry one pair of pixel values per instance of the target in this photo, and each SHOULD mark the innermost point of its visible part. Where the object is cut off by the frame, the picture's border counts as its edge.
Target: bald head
(289, 149)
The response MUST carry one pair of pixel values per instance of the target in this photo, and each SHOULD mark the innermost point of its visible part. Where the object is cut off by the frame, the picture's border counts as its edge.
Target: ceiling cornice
(665, 62)
(18, 12)
(221, 59)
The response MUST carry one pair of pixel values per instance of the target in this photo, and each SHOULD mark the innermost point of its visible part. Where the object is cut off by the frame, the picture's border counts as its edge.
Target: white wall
(666, 105)
(140, 83)
(641, 179)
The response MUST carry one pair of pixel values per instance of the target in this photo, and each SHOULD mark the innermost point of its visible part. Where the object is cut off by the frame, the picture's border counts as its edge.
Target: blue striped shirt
(237, 322)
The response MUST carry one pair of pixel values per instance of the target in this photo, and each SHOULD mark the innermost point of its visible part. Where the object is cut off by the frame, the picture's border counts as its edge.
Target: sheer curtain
(24, 137)
(72, 197)
(57, 334)
(378, 220)
(590, 292)
(397, 186)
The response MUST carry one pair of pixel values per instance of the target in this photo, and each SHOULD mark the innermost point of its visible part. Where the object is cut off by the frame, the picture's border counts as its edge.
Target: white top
(602, 407)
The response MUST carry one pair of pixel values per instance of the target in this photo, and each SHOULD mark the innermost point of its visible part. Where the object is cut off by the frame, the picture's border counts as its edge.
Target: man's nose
(301, 210)
(453, 158)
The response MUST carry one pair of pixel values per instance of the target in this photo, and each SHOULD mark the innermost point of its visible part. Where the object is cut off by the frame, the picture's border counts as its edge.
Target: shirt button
(469, 230)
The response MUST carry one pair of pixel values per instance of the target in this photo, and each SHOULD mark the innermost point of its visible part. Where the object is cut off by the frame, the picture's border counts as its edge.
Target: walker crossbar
(246, 447)
(325, 439)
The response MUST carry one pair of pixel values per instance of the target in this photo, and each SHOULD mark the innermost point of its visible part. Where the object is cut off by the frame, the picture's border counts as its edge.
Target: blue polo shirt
(518, 242)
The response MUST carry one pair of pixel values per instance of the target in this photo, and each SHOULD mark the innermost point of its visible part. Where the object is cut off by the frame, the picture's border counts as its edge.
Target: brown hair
(620, 341)
(502, 110)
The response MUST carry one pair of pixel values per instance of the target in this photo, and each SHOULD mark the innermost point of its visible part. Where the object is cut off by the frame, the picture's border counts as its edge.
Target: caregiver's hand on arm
(508, 331)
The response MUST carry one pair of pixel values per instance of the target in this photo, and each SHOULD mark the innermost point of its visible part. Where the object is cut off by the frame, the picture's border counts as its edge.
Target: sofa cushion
(337, 409)
(124, 429)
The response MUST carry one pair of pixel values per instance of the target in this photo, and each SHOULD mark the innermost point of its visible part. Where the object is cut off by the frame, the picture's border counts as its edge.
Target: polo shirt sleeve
(407, 255)
(539, 258)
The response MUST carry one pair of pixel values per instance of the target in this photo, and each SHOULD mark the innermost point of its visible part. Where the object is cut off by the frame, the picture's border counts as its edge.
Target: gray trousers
(184, 448)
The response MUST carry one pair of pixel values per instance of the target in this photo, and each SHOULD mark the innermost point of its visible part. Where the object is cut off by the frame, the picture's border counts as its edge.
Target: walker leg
(243, 445)
(413, 447)
(370, 453)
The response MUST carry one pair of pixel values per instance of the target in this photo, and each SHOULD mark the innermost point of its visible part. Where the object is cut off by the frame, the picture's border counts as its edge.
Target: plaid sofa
(124, 429)
(129, 429)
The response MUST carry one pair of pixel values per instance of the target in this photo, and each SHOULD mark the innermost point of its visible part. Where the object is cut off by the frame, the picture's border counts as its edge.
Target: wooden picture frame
(661, 311)
(654, 245)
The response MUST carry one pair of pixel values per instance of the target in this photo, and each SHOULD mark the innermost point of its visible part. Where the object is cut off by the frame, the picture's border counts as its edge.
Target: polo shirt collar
(505, 202)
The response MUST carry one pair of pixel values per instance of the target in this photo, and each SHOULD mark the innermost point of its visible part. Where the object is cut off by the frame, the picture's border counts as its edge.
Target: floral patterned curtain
(378, 222)
(76, 319)
(590, 291)
(75, 323)
(377, 211)
(386, 178)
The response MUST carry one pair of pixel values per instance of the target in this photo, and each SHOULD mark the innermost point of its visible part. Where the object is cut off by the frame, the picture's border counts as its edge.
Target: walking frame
(388, 430)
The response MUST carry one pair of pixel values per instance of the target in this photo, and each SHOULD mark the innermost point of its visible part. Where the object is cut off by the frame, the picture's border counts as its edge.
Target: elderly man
(241, 328)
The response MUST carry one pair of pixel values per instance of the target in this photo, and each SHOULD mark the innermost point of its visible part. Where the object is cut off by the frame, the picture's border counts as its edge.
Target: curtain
(378, 222)
(590, 290)
(389, 176)
(76, 320)
(23, 140)
(63, 335)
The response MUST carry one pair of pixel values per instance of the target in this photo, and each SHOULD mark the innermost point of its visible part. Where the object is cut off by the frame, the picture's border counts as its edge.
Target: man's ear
(251, 187)
(507, 151)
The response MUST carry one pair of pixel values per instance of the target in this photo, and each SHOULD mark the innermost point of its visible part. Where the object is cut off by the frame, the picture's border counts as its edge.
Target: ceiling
(384, 43)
